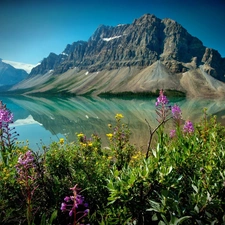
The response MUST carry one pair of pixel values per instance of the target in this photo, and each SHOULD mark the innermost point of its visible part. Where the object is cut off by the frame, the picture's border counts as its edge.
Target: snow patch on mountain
(111, 38)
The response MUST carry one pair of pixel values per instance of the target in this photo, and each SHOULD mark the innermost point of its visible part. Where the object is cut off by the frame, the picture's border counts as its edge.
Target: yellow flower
(80, 135)
(89, 144)
(109, 135)
(25, 147)
(61, 140)
(135, 156)
(119, 116)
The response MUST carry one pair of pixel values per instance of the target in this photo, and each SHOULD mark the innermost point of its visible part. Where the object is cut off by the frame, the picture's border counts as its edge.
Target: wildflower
(72, 204)
(109, 135)
(6, 116)
(162, 107)
(67, 199)
(26, 160)
(188, 127)
(61, 141)
(176, 112)
(172, 133)
(27, 177)
(80, 135)
(119, 116)
(162, 99)
(86, 211)
(7, 135)
(83, 144)
(63, 206)
(134, 156)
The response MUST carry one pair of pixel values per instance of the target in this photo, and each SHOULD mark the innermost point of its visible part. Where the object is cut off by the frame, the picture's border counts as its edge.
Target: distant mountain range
(141, 57)
(10, 76)
(19, 65)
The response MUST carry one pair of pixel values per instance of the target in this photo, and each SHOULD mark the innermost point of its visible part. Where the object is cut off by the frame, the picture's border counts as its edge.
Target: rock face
(147, 42)
(10, 76)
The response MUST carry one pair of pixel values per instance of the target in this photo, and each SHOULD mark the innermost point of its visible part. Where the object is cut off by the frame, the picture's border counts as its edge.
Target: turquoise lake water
(43, 120)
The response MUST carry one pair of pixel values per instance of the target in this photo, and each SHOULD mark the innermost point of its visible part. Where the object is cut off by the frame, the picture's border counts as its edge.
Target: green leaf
(180, 220)
(161, 223)
(155, 206)
(165, 220)
(195, 188)
(196, 209)
(154, 217)
(154, 153)
(53, 216)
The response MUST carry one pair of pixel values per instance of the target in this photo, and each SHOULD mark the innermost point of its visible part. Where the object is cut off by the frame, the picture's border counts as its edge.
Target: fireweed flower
(172, 133)
(6, 116)
(75, 205)
(162, 99)
(162, 107)
(27, 178)
(176, 112)
(25, 166)
(7, 135)
(188, 127)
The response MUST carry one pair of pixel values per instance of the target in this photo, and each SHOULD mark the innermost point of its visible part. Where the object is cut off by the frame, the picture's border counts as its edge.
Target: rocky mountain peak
(163, 46)
(146, 18)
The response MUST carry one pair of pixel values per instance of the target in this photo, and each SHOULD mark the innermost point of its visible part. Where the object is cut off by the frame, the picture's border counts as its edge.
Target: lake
(43, 120)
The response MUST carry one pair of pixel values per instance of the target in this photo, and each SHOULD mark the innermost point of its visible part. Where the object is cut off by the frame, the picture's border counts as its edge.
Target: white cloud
(19, 65)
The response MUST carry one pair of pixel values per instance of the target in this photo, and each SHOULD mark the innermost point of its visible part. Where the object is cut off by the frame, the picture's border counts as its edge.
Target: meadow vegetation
(178, 180)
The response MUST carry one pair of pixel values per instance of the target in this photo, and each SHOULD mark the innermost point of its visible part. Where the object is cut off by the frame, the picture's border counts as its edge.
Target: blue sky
(31, 29)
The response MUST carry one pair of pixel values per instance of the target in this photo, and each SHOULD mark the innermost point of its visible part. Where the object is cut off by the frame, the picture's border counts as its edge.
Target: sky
(31, 29)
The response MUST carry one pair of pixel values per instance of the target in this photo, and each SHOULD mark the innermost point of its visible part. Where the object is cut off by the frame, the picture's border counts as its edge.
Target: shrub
(179, 180)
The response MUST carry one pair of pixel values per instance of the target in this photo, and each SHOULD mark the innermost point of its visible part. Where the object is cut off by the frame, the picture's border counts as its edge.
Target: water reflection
(66, 116)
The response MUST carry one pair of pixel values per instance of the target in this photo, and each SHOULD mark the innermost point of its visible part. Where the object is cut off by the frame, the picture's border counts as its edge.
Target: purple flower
(26, 160)
(67, 199)
(86, 211)
(77, 203)
(71, 212)
(6, 116)
(172, 133)
(176, 112)
(162, 107)
(188, 127)
(63, 206)
(79, 199)
(162, 99)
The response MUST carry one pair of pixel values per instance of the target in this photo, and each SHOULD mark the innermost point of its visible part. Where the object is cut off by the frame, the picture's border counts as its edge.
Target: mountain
(144, 56)
(19, 65)
(10, 75)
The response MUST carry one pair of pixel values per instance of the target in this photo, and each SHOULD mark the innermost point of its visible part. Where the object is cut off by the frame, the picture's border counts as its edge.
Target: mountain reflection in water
(64, 117)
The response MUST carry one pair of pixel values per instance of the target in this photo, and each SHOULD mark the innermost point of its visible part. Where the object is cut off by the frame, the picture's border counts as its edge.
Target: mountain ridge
(9, 75)
(146, 48)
